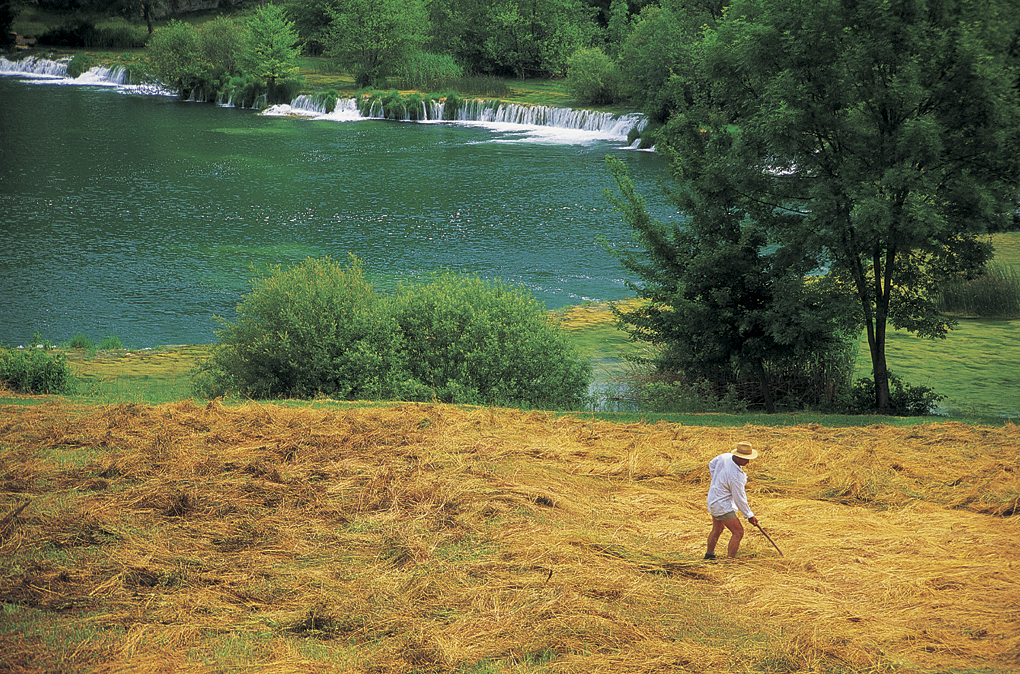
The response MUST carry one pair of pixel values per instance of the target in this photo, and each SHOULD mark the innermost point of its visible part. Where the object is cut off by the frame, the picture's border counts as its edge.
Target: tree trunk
(766, 390)
(877, 338)
(147, 13)
(875, 306)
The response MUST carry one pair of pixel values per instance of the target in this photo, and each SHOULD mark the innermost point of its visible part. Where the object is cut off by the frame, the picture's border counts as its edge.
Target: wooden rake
(770, 539)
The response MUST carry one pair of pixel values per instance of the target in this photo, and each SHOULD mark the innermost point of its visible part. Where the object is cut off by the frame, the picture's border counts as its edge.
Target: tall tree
(372, 37)
(883, 133)
(727, 306)
(175, 53)
(269, 50)
(535, 37)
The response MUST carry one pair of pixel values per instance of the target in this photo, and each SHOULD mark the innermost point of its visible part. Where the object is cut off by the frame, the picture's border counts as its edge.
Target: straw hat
(745, 451)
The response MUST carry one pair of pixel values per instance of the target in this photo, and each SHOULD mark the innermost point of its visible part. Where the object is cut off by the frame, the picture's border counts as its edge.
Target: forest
(619, 51)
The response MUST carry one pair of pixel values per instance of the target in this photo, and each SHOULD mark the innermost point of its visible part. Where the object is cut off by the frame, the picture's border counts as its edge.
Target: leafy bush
(283, 91)
(994, 294)
(219, 42)
(35, 371)
(82, 342)
(80, 64)
(592, 77)
(175, 54)
(679, 397)
(315, 328)
(905, 400)
(320, 328)
(244, 91)
(473, 341)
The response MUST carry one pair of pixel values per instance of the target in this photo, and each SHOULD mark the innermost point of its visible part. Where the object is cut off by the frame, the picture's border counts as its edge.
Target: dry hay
(431, 537)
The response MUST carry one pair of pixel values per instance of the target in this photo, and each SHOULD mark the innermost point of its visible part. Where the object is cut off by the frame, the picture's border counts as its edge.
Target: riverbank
(973, 368)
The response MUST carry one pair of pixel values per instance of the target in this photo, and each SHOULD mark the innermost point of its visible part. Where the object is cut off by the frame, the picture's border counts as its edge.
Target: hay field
(432, 538)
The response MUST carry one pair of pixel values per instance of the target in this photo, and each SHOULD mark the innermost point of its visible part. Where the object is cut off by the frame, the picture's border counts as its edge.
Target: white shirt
(726, 493)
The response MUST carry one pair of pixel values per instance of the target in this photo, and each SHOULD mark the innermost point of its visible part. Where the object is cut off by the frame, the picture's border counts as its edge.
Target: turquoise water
(140, 216)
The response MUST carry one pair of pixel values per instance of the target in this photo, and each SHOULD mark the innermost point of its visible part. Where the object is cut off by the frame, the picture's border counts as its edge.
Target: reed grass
(432, 538)
(995, 294)
(485, 86)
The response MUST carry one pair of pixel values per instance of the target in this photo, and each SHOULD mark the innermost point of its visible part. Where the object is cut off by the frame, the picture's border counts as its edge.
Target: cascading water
(34, 67)
(602, 125)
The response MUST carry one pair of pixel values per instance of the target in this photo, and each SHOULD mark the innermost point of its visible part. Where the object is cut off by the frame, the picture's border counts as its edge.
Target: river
(139, 216)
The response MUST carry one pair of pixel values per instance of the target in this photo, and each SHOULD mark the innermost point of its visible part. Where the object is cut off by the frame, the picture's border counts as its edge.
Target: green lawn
(977, 366)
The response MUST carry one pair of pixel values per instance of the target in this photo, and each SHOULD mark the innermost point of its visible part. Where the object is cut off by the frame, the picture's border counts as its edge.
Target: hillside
(438, 538)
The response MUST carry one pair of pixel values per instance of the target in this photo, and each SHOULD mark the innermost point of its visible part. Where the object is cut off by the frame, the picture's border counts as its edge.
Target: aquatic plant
(81, 63)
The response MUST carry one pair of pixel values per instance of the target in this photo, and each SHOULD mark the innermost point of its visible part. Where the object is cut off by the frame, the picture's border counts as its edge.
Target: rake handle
(770, 539)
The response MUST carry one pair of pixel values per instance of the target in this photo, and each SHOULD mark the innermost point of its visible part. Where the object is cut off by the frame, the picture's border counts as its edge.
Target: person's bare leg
(713, 536)
(736, 534)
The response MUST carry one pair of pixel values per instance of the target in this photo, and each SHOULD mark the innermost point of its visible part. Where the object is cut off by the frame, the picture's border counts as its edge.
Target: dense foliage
(879, 138)
(35, 370)
(224, 59)
(319, 328)
(592, 77)
(728, 308)
(372, 38)
(476, 341)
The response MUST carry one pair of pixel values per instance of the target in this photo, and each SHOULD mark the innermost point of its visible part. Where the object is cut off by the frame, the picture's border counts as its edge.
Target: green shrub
(315, 328)
(244, 91)
(283, 91)
(175, 54)
(592, 77)
(80, 64)
(219, 41)
(994, 294)
(679, 397)
(82, 342)
(905, 400)
(320, 328)
(35, 371)
(451, 105)
(473, 341)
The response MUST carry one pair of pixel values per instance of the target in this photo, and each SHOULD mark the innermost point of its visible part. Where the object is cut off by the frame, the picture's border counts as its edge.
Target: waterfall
(604, 124)
(115, 76)
(45, 68)
(530, 118)
(541, 115)
(35, 67)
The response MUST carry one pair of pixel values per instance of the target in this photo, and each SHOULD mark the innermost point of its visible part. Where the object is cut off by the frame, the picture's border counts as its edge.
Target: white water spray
(536, 122)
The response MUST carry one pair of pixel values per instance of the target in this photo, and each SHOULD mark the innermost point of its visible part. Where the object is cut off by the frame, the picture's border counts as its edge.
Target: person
(726, 497)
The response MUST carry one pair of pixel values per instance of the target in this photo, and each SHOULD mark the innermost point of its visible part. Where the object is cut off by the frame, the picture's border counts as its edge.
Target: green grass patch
(975, 366)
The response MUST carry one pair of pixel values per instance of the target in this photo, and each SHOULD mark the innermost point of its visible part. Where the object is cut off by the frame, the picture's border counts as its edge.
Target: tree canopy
(882, 134)
(373, 37)
(270, 50)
